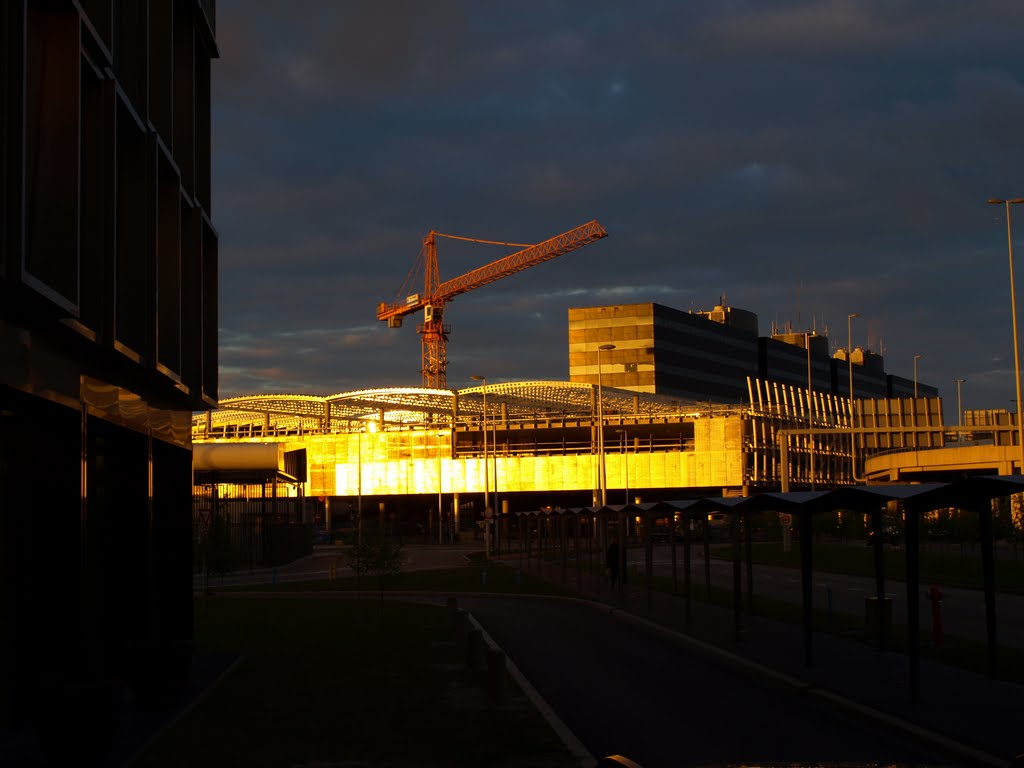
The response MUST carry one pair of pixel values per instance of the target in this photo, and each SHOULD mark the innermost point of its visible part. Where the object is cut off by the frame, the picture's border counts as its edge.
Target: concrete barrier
(460, 623)
(497, 675)
(475, 648)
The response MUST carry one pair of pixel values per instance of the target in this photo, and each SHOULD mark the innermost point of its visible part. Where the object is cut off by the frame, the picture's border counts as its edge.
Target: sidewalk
(974, 718)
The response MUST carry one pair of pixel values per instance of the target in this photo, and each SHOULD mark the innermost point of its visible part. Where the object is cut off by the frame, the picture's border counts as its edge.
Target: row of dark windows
(110, 108)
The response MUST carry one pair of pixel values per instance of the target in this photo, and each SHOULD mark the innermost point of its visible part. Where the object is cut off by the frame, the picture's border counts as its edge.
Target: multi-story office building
(708, 355)
(108, 323)
(658, 349)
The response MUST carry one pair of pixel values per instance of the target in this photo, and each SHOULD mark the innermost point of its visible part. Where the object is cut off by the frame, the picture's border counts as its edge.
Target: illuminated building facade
(403, 454)
(693, 404)
(108, 323)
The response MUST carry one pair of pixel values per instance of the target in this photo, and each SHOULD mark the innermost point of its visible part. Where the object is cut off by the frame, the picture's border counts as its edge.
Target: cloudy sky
(804, 158)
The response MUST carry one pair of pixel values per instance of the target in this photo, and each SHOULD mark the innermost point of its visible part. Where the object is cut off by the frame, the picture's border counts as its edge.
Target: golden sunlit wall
(630, 328)
(416, 461)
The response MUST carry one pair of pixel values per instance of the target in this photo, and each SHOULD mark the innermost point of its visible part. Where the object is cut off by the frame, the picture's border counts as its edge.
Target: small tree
(215, 548)
(380, 557)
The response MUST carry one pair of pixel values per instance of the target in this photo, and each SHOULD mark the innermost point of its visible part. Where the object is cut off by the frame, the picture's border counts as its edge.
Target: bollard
(273, 577)
(460, 623)
(474, 648)
(483, 576)
(497, 674)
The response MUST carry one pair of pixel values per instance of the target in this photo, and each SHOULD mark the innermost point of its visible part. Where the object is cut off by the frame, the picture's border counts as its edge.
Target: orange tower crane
(433, 331)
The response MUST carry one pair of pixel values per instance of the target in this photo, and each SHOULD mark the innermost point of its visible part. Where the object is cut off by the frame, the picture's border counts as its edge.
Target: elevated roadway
(941, 464)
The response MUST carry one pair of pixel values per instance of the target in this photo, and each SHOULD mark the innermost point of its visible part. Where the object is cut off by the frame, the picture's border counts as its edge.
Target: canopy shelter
(972, 495)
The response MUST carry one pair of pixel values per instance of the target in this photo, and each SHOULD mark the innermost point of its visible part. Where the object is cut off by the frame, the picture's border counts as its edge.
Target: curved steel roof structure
(403, 405)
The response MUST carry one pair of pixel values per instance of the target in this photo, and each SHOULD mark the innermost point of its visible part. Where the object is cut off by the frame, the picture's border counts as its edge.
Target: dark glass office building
(707, 356)
(108, 323)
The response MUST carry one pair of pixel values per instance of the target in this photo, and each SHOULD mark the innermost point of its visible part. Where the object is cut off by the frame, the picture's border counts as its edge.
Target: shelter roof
(969, 493)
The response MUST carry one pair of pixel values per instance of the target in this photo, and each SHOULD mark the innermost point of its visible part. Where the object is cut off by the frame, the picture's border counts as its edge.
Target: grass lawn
(362, 681)
(945, 568)
(479, 576)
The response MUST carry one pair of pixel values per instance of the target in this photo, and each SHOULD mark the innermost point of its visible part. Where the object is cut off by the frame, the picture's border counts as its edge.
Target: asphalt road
(625, 689)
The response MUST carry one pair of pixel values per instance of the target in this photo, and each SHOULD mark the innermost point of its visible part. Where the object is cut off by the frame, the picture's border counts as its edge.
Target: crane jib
(434, 333)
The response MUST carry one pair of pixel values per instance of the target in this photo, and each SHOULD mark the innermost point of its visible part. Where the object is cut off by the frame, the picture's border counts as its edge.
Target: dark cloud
(806, 159)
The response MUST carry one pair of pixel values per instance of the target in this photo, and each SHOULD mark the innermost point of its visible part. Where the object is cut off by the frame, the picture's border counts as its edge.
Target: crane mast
(433, 331)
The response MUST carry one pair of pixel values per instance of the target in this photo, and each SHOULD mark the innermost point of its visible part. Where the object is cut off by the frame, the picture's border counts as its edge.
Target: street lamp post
(625, 458)
(601, 478)
(1013, 312)
(810, 407)
(487, 473)
(853, 416)
(849, 359)
(359, 483)
(440, 488)
(959, 408)
(916, 358)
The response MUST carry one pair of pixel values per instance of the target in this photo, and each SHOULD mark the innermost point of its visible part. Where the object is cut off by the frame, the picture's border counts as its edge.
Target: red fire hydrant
(936, 597)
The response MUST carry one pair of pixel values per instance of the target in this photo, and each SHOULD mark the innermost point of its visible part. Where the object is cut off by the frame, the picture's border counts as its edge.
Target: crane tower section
(433, 330)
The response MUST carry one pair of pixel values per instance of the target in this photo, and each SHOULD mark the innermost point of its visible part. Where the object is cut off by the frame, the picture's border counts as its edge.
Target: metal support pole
(672, 534)
(737, 592)
(748, 540)
(989, 580)
(707, 557)
(912, 547)
(686, 567)
(879, 553)
(806, 583)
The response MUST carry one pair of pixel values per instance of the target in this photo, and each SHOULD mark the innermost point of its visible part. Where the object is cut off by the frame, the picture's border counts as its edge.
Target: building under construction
(662, 405)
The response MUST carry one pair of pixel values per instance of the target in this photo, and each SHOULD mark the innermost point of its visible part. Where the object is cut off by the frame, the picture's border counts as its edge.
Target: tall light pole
(959, 409)
(810, 406)
(601, 479)
(853, 417)
(487, 482)
(849, 358)
(1013, 313)
(359, 483)
(916, 358)
(625, 458)
(440, 489)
